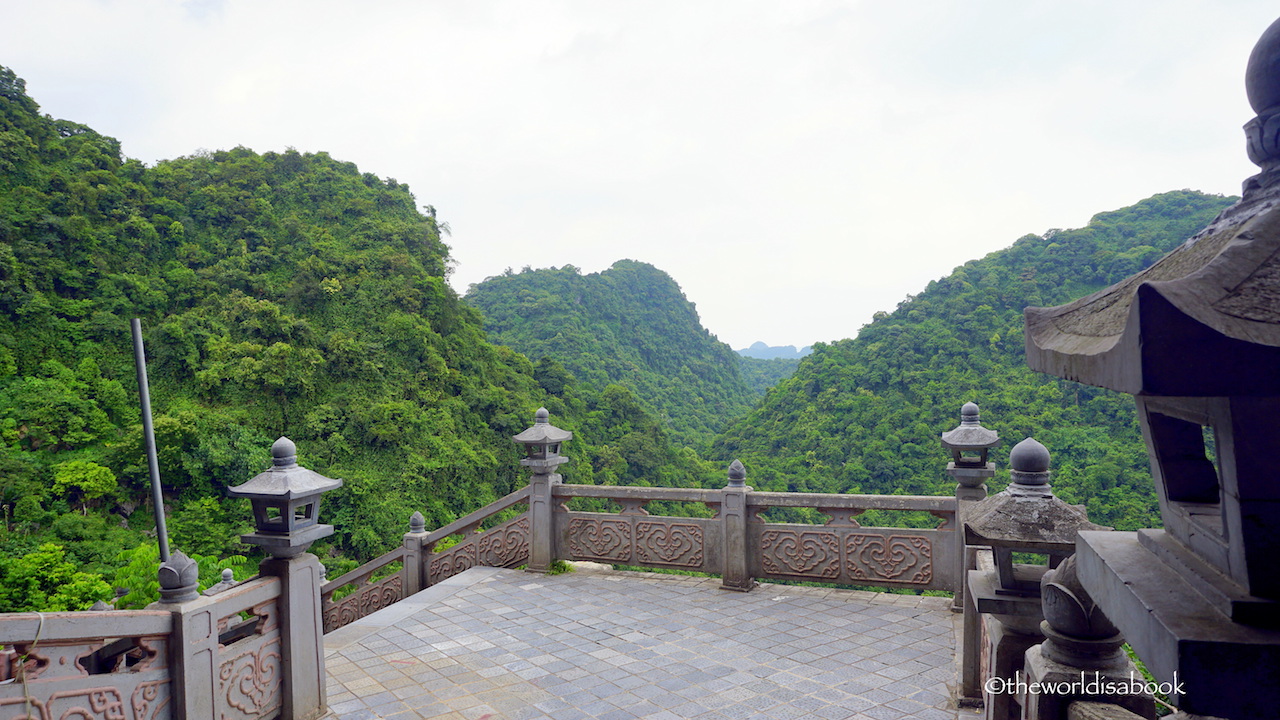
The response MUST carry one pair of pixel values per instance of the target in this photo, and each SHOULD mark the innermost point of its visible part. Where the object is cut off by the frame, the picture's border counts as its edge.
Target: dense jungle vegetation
(863, 415)
(629, 325)
(292, 294)
(281, 294)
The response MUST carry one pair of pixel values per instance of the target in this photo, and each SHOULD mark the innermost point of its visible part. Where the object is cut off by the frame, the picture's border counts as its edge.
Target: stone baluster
(195, 638)
(1081, 653)
(414, 577)
(733, 519)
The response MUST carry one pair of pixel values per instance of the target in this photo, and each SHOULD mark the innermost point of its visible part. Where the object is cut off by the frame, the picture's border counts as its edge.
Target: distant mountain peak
(761, 351)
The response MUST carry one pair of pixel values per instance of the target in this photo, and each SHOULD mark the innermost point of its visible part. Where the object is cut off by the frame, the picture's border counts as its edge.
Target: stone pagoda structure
(1195, 338)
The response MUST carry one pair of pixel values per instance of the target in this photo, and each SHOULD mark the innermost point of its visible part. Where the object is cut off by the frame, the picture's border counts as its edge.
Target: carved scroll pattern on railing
(365, 601)
(124, 678)
(897, 558)
(249, 674)
(599, 539)
(504, 545)
(104, 703)
(670, 543)
(848, 555)
(150, 700)
(800, 553)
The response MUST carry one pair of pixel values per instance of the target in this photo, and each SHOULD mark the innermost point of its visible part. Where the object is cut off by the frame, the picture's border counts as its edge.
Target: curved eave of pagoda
(1203, 321)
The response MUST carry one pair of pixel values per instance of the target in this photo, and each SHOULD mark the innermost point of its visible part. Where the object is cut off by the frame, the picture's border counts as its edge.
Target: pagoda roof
(1202, 321)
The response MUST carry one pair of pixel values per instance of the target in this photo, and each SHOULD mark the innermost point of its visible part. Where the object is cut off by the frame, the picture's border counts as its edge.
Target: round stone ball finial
(1262, 76)
(284, 453)
(969, 414)
(1029, 456)
(1262, 85)
(541, 417)
(1029, 468)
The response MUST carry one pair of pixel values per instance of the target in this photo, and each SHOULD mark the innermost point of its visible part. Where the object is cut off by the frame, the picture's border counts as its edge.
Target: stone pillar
(542, 520)
(733, 518)
(1011, 624)
(301, 635)
(415, 579)
(286, 508)
(195, 639)
(1081, 654)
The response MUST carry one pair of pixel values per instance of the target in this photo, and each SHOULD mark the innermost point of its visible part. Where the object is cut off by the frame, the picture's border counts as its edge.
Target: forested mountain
(291, 294)
(628, 325)
(282, 294)
(864, 415)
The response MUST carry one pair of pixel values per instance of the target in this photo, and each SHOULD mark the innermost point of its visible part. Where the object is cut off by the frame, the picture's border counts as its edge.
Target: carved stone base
(1049, 687)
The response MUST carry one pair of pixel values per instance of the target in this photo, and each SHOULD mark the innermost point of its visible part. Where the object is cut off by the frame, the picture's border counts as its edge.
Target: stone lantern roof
(1202, 321)
(543, 432)
(1026, 515)
(969, 434)
(285, 479)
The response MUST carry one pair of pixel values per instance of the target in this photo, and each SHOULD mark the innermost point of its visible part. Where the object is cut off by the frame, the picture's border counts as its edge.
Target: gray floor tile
(632, 645)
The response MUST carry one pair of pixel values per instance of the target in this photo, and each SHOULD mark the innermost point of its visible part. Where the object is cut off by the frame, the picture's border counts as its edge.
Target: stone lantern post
(286, 507)
(1195, 338)
(968, 443)
(542, 455)
(1024, 518)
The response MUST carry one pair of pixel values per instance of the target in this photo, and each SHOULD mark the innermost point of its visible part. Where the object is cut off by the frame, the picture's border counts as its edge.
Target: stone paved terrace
(493, 643)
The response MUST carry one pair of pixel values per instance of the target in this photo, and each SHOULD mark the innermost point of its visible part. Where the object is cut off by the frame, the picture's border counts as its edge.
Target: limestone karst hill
(628, 325)
(864, 414)
(282, 294)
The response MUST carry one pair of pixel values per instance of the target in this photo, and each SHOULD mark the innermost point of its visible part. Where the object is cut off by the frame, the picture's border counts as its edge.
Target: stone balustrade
(733, 542)
(213, 656)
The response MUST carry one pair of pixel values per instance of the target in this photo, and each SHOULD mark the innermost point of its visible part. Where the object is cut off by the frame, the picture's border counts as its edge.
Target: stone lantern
(542, 443)
(969, 443)
(1195, 338)
(1024, 518)
(542, 455)
(286, 503)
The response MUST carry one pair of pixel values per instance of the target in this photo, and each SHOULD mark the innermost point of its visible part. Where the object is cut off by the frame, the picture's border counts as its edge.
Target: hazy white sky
(795, 165)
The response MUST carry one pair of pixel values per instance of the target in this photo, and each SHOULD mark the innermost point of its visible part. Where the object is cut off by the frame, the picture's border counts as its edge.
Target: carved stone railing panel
(367, 600)
(249, 682)
(504, 545)
(850, 555)
(889, 558)
(669, 543)
(87, 666)
(599, 538)
(638, 539)
(844, 552)
(800, 553)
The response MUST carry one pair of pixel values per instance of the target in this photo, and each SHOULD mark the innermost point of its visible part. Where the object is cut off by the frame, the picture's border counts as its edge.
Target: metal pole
(149, 435)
